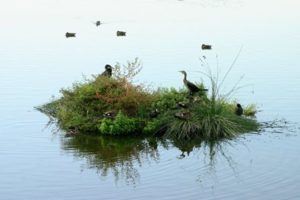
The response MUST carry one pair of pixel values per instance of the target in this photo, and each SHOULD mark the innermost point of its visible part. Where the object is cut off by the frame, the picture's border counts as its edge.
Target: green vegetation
(116, 106)
(120, 125)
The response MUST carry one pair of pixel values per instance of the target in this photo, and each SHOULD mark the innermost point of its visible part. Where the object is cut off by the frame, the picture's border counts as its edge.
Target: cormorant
(239, 110)
(191, 86)
(108, 71)
(121, 33)
(98, 23)
(206, 47)
(70, 34)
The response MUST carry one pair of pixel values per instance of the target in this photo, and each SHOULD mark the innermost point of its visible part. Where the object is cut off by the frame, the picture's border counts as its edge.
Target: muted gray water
(36, 60)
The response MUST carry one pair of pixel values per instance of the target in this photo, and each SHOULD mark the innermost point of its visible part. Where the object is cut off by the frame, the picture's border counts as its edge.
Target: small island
(111, 104)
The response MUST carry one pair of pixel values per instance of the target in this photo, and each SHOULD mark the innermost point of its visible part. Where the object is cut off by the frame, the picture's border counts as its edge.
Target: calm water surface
(36, 60)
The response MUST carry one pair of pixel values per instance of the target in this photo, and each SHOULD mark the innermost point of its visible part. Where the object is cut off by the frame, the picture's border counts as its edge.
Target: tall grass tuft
(213, 117)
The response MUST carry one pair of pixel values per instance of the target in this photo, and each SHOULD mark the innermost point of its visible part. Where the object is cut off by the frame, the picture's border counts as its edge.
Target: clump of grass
(217, 120)
(213, 117)
(250, 110)
(206, 120)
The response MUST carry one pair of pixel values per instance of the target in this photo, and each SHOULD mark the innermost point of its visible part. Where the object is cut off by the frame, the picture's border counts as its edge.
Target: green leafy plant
(121, 125)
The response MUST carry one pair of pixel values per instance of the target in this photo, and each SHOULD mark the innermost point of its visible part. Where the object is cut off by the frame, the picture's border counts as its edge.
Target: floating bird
(121, 33)
(108, 71)
(239, 110)
(98, 23)
(154, 113)
(109, 114)
(191, 86)
(206, 47)
(70, 34)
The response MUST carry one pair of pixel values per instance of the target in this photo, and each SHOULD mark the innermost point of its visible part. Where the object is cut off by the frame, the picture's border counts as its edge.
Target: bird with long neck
(189, 85)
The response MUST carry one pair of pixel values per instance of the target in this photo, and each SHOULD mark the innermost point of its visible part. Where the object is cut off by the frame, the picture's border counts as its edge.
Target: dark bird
(206, 47)
(98, 23)
(121, 33)
(108, 71)
(70, 34)
(154, 113)
(71, 132)
(191, 86)
(182, 104)
(109, 114)
(239, 110)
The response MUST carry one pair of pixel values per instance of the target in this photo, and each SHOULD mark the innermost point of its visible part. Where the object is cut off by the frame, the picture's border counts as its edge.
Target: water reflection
(210, 152)
(123, 157)
(120, 156)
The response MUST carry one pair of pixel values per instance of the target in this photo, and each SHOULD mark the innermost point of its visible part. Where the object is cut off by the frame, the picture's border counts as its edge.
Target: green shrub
(121, 125)
(155, 126)
(83, 105)
(167, 98)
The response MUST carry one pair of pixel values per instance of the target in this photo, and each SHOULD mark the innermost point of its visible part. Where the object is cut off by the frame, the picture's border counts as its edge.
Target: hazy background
(36, 60)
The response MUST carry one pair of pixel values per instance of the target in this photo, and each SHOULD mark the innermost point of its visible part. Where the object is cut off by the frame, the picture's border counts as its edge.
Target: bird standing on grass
(191, 86)
(184, 115)
(182, 104)
(108, 71)
(109, 114)
(239, 110)
(154, 113)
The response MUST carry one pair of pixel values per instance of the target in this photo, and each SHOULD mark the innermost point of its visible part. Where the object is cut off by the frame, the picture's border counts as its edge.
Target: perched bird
(108, 71)
(239, 110)
(206, 47)
(109, 114)
(154, 113)
(182, 104)
(182, 115)
(71, 132)
(70, 34)
(191, 86)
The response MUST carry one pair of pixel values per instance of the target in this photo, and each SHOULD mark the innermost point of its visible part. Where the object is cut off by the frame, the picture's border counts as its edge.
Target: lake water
(36, 60)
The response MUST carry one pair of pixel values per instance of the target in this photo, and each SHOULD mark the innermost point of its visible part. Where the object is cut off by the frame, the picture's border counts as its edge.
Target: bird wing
(192, 86)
